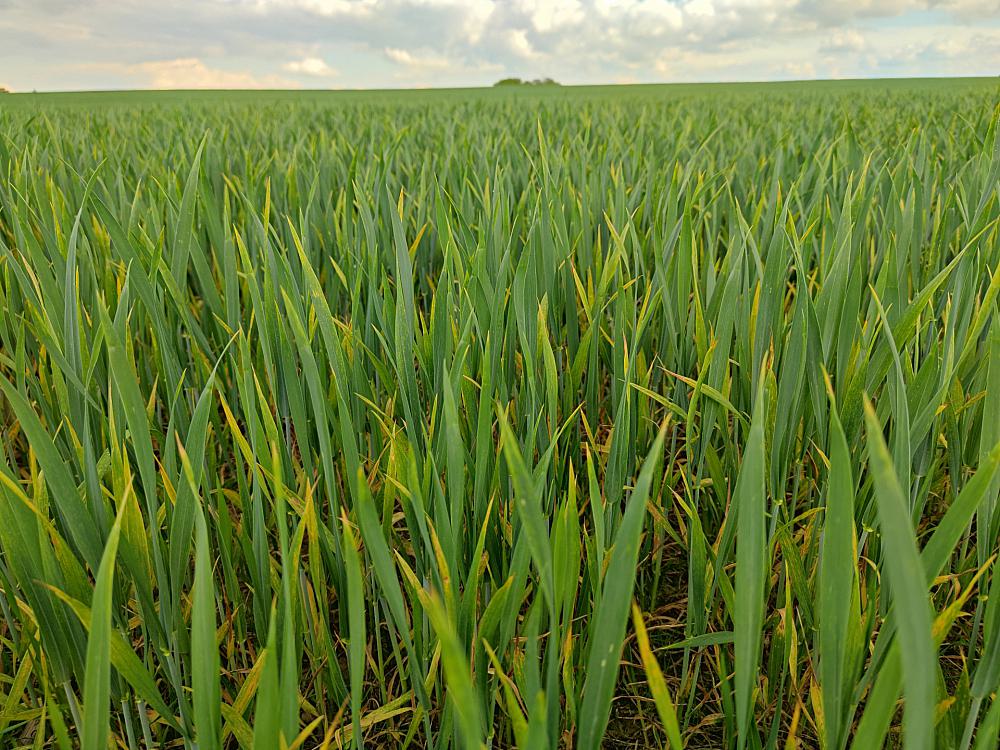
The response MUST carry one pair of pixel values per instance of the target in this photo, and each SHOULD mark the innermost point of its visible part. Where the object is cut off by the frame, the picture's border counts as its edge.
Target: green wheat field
(635, 417)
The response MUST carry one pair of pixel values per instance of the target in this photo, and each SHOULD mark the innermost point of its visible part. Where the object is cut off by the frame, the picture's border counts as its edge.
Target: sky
(50, 45)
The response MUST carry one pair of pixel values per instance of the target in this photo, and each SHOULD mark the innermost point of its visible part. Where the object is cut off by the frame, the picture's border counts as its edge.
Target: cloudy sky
(114, 44)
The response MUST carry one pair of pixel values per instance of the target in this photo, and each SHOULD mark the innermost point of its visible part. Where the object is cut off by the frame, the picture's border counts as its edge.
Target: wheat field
(571, 417)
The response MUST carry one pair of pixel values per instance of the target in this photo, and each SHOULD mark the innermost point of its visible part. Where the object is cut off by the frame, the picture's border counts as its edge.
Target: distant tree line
(522, 82)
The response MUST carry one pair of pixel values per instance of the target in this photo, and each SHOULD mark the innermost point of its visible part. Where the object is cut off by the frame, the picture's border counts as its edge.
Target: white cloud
(845, 40)
(192, 73)
(659, 15)
(704, 8)
(472, 15)
(252, 43)
(310, 66)
(799, 70)
(971, 8)
(548, 15)
(424, 61)
(359, 8)
(519, 44)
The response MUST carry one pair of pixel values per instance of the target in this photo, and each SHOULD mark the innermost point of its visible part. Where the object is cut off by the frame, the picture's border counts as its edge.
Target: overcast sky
(113, 44)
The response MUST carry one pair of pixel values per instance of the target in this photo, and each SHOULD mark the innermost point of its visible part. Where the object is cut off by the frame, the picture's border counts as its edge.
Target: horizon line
(513, 87)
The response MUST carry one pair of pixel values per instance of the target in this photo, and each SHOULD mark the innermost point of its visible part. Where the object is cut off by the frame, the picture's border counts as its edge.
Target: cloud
(324, 7)
(652, 18)
(547, 15)
(310, 66)
(371, 43)
(844, 40)
(970, 9)
(803, 70)
(424, 61)
(192, 73)
(519, 44)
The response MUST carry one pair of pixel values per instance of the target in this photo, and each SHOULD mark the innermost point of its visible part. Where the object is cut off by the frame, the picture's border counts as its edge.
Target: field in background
(626, 417)
(984, 87)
